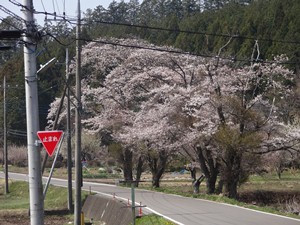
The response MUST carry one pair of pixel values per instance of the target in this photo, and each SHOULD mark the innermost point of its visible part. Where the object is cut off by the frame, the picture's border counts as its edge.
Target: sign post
(50, 139)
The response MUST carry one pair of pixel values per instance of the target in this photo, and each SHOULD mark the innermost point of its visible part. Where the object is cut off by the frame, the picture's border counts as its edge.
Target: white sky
(71, 7)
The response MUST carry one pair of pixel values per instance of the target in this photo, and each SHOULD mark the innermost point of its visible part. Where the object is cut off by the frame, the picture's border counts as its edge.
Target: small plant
(293, 206)
(17, 155)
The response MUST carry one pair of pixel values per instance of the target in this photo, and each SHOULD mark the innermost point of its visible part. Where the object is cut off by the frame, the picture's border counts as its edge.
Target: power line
(170, 30)
(10, 34)
(57, 6)
(185, 53)
(43, 5)
(7, 11)
(4, 20)
(235, 36)
(234, 59)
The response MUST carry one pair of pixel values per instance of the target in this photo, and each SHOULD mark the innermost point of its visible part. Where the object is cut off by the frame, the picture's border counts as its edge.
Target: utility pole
(78, 170)
(5, 136)
(69, 149)
(32, 117)
(6, 35)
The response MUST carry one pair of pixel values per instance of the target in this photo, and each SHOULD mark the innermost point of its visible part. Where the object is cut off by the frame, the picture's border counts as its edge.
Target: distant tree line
(267, 20)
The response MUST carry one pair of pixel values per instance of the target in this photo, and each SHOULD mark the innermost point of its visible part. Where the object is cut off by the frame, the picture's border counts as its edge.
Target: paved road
(183, 210)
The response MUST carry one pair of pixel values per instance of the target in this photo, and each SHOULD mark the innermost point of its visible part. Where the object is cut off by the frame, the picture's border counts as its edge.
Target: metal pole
(69, 149)
(133, 202)
(55, 125)
(52, 168)
(5, 136)
(32, 117)
(78, 165)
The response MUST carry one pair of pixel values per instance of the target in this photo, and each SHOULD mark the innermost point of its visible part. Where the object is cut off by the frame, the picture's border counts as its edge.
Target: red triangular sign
(50, 139)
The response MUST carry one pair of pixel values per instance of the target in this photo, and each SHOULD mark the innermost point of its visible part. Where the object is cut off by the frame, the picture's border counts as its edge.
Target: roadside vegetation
(153, 219)
(264, 192)
(14, 206)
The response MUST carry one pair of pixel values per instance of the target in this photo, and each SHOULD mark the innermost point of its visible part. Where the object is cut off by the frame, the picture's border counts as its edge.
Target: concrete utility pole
(78, 170)
(5, 136)
(69, 149)
(32, 117)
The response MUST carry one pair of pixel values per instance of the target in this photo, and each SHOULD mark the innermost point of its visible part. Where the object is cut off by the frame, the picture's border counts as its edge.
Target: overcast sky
(71, 7)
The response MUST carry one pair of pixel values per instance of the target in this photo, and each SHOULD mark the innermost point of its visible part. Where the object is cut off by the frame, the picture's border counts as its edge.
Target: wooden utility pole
(78, 170)
(5, 35)
(5, 136)
(69, 149)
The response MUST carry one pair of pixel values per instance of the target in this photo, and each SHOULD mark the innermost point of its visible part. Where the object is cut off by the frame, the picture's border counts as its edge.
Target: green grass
(290, 181)
(90, 173)
(153, 219)
(18, 197)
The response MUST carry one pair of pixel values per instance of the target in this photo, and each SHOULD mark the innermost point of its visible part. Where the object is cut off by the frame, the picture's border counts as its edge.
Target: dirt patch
(268, 197)
(288, 202)
(14, 218)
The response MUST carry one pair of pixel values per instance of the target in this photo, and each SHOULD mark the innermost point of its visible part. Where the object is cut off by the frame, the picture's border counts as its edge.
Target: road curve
(182, 210)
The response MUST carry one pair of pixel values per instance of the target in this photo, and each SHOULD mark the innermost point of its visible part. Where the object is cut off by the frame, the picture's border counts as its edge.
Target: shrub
(17, 155)
(293, 206)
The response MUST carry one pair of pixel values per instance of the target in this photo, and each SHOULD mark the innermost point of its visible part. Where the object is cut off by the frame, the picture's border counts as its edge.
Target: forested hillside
(208, 25)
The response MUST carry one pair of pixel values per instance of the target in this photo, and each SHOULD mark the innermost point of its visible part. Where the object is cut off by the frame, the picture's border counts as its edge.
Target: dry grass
(17, 155)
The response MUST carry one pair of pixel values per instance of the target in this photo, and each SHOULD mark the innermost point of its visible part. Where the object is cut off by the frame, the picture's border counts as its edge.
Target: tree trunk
(220, 186)
(127, 166)
(209, 167)
(157, 165)
(231, 188)
(196, 184)
(232, 173)
(139, 170)
(156, 181)
(193, 173)
(211, 184)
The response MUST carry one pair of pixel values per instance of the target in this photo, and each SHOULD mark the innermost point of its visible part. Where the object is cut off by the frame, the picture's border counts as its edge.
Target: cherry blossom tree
(156, 104)
(139, 99)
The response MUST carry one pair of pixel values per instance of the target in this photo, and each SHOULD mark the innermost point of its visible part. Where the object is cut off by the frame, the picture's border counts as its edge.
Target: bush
(90, 147)
(17, 155)
(293, 206)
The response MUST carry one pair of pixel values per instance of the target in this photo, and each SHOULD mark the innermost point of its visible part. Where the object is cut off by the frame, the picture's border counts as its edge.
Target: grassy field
(14, 206)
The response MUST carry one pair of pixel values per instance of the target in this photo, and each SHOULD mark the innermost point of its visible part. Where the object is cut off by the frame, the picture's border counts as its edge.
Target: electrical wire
(43, 5)
(57, 6)
(58, 41)
(12, 14)
(4, 20)
(48, 89)
(234, 59)
(235, 36)
(170, 30)
(64, 7)
(53, 6)
(184, 53)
